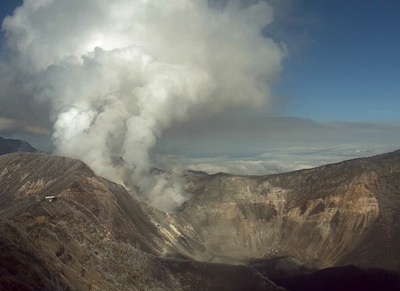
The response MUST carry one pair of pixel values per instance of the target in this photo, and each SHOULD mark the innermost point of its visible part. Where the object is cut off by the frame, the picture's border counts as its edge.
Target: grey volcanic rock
(92, 235)
(8, 146)
(345, 213)
(95, 234)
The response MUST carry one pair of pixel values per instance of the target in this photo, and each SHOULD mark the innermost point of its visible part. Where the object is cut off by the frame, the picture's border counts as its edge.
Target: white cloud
(273, 160)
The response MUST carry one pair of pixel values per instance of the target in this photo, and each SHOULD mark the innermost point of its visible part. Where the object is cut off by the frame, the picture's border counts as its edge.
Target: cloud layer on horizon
(273, 161)
(264, 144)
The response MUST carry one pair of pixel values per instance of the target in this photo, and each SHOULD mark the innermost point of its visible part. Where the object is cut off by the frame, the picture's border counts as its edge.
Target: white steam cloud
(117, 73)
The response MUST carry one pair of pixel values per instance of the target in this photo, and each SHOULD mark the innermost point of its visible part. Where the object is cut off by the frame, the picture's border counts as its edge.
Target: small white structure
(50, 198)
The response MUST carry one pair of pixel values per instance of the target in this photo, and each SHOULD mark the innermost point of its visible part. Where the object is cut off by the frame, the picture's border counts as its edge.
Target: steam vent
(199, 145)
(64, 228)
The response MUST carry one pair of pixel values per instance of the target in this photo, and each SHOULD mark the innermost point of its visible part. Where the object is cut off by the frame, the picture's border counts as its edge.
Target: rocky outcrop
(63, 227)
(328, 216)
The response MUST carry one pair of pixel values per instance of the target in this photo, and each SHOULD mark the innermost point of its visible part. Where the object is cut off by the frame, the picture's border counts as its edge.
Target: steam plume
(117, 73)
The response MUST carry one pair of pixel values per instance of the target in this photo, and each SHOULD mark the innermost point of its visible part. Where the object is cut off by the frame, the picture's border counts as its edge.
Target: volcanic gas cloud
(113, 75)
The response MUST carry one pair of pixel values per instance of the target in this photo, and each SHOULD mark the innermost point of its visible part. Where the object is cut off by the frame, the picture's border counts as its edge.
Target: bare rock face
(346, 213)
(64, 228)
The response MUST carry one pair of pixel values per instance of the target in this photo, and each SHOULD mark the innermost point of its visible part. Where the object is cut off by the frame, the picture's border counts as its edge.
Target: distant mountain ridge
(8, 145)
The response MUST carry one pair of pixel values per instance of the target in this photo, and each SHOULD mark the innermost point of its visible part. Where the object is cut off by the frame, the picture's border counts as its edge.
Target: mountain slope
(345, 213)
(8, 146)
(93, 235)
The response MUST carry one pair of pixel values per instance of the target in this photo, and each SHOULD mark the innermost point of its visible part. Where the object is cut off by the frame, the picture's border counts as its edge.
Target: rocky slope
(95, 235)
(346, 213)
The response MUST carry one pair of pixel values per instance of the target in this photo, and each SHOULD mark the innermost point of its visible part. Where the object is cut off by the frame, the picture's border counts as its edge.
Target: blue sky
(8, 6)
(348, 67)
(338, 94)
